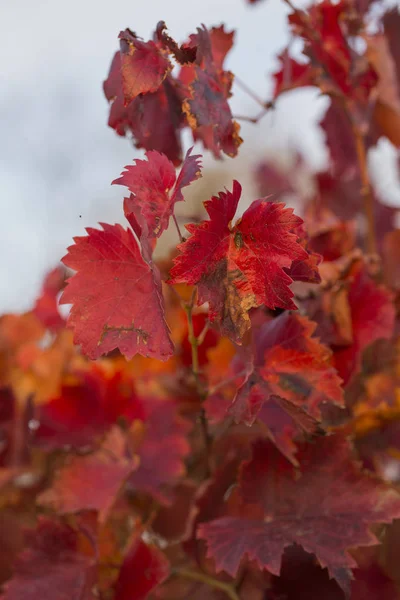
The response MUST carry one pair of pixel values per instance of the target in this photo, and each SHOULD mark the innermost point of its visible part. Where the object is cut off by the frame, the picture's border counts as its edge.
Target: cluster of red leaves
(155, 105)
(224, 423)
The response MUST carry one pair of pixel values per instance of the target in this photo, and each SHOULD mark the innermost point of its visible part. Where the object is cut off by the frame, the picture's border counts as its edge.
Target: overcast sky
(57, 155)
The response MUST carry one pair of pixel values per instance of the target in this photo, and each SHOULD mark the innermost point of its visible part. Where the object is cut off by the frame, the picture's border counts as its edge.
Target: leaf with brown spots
(291, 378)
(242, 266)
(143, 66)
(208, 89)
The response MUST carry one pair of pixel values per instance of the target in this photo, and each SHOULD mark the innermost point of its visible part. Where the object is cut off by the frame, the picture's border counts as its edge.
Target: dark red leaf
(143, 569)
(92, 482)
(292, 368)
(325, 508)
(161, 448)
(51, 566)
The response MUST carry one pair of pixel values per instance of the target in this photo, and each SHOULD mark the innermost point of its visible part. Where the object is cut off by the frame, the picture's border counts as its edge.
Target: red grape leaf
(51, 566)
(209, 115)
(339, 69)
(157, 432)
(305, 270)
(155, 188)
(156, 116)
(154, 119)
(345, 321)
(383, 51)
(291, 365)
(183, 54)
(143, 66)
(208, 89)
(371, 320)
(286, 425)
(301, 578)
(221, 42)
(292, 74)
(161, 444)
(273, 181)
(238, 267)
(329, 236)
(143, 569)
(91, 482)
(85, 409)
(325, 508)
(46, 306)
(117, 301)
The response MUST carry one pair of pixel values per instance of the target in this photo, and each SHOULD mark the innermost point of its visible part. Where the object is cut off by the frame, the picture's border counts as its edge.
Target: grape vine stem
(228, 588)
(195, 343)
(366, 189)
(181, 238)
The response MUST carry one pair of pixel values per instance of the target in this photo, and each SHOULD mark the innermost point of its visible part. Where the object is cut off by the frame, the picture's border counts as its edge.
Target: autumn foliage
(224, 422)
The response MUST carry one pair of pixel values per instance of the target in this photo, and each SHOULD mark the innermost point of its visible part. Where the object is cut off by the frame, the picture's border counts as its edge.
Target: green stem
(195, 342)
(217, 584)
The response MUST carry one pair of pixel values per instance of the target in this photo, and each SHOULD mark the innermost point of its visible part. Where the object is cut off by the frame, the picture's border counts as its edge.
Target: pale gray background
(58, 157)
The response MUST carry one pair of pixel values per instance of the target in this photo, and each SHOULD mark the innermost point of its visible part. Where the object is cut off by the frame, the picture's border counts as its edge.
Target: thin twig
(217, 584)
(225, 382)
(249, 91)
(366, 189)
(192, 338)
(195, 342)
(258, 117)
(203, 333)
(293, 7)
(181, 238)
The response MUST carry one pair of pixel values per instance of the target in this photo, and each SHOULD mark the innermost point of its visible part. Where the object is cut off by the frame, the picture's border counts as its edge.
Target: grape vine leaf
(345, 321)
(242, 266)
(299, 569)
(325, 507)
(51, 566)
(326, 33)
(208, 88)
(87, 409)
(116, 296)
(157, 114)
(154, 118)
(383, 51)
(143, 569)
(143, 66)
(91, 482)
(161, 443)
(371, 320)
(291, 367)
(155, 188)
(46, 306)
